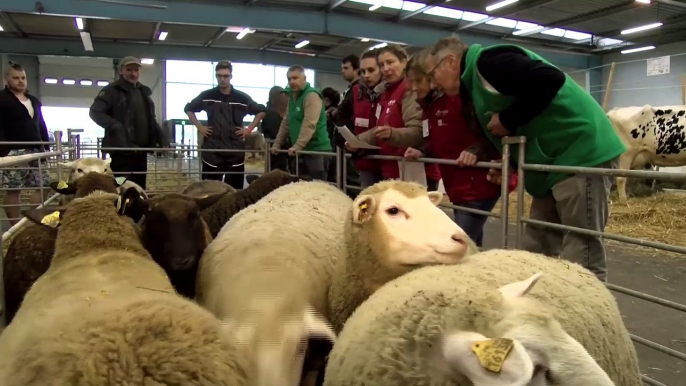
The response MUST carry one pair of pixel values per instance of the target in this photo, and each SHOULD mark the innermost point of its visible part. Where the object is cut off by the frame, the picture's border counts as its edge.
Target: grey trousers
(579, 201)
(313, 166)
(369, 178)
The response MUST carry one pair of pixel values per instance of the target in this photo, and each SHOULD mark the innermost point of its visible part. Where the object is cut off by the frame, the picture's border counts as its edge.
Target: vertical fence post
(77, 146)
(520, 192)
(179, 164)
(504, 198)
(340, 160)
(297, 164)
(344, 172)
(267, 154)
(402, 169)
(58, 148)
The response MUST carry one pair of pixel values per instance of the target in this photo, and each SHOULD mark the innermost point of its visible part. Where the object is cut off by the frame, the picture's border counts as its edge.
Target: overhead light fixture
(364, 40)
(244, 32)
(1, 29)
(103, 83)
(528, 30)
(380, 45)
(68, 81)
(632, 50)
(162, 35)
(79, 23)
(50, 80)
(643, 1)
(147, 61)
(86, 82)
(302, 44)
(501, 4)
(641, 28)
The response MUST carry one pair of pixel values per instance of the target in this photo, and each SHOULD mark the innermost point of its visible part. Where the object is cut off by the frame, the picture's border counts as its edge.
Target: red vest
(391, 103)
(364, 116)
(448, 137)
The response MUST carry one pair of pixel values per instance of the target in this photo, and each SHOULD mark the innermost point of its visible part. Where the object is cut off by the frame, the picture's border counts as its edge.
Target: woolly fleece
(205, 187)
(105, 314)
(388, 340)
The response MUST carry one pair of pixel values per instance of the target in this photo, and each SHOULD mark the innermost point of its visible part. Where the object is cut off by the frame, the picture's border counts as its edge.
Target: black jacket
(225, 114)
(112, 111)
(16, 125)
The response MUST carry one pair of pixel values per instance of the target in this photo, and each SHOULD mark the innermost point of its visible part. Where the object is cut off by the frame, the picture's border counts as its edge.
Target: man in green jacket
(516, 92)
(305, 125)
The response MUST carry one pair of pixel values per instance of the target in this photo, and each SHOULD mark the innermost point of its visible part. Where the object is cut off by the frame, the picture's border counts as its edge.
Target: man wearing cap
(127, 113)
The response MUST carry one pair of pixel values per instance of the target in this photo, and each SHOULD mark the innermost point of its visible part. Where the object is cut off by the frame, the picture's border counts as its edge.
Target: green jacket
(572, 131)
(296, 115)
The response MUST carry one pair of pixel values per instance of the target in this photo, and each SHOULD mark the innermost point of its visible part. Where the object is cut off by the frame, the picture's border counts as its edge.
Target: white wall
(632, 87)
(74, 68)
(326, 79)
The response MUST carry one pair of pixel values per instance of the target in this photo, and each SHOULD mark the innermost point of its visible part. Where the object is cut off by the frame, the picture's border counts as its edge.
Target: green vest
(572, 131)
(296, 115)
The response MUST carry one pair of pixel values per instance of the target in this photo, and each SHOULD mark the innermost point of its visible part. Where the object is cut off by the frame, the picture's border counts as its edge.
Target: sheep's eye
(393, 211)
(79, 170)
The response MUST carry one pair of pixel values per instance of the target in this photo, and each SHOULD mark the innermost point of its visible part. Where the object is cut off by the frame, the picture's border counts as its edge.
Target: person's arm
(409, 136)
(312, 106)
(282, 135)
(100, 111)
(194, 106)
(533, 83)
(345, 111)
(258, 110)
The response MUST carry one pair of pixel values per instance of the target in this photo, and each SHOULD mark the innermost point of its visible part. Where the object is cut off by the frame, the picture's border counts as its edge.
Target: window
(63, 118)
(182, 71)
(252, 75)
(179, 94)
(281, 79)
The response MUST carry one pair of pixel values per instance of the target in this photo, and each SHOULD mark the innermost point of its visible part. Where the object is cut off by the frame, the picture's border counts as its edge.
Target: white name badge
(425, 128)
(378, 111)
(362, 122)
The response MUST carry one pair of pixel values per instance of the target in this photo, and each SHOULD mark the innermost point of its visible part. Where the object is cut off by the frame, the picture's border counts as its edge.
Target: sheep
(267, 273)
(30, 251)
(393, 227)
(221, 212)
(504, 317)
(81, 167)
(105, 313)
(175, 234)
(207, 187)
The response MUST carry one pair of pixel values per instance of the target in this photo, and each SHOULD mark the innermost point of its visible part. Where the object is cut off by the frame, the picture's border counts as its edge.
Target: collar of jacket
(372, 93)
(125, 85)
(33, 99)
(288, 90)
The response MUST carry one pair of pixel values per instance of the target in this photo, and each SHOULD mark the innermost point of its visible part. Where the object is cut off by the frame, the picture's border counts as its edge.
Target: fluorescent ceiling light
(86, 82)
(302, 44)
(1, 29)
(50, 80)
(380, 45)
(68, 81)
(643, 1)
(364, 40)
(528, 31)
(163, 35)
(79, 23)
(450, 13)
(501, 4)
(147, 61)
(609, 42)
(375, 7)
(244, 32)
(86, 40)
(641, 28)
(103, 83)
(632, 50)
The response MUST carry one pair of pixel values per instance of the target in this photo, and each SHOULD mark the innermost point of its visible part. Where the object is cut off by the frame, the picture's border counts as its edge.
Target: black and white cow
(653, 135)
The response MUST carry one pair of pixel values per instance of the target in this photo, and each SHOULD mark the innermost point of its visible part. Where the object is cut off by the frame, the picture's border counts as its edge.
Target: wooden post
(608, 89)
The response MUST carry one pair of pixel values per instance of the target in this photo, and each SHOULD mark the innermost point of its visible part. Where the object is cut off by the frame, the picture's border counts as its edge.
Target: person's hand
(243, 133)
(496, 175)
(350, 147)
(412, 153)
(205, 131)
(383, 132)
(291, 152)
(496, 127)
(273, 150)
(466, 159)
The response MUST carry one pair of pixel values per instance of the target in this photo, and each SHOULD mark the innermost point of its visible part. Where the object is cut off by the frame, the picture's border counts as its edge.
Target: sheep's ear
(488, 362)
(363, 208)
(519, 288)
(49, 217)
(130, 203)
(436, 198)
(108, 161)
(206, 201)
(119, 181)
(63, 187)
(69, 164)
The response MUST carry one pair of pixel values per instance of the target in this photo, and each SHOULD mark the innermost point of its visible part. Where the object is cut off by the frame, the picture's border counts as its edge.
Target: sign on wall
(658, 66)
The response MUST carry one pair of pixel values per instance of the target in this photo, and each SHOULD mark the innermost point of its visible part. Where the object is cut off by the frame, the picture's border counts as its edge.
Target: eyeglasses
(432, 72)
(223, 76)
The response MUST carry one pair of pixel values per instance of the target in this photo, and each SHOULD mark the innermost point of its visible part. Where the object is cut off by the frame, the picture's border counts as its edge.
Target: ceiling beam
(155, 32)
(675, 3)
(272, 18)
(333, 4)
(6, 16)
(220, 32)
(507, 11)
(407, 15)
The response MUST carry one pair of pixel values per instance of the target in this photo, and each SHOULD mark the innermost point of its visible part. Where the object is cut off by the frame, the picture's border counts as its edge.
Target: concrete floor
(649, 271)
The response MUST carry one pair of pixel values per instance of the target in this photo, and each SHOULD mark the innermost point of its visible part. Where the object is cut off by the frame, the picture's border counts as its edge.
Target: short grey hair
(448, 45)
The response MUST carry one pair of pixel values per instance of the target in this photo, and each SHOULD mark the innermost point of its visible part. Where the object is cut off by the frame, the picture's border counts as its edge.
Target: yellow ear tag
(52, 219)
(363, 207)
(62, 185)
(492, 353)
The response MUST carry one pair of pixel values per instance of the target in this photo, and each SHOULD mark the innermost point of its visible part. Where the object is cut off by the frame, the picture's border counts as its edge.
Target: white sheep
(82, 166)
(268, 270)
(502, 318)
(105, 313)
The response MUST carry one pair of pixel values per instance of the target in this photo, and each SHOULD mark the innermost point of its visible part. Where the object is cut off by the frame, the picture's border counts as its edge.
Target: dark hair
(333, 96)
(224, 65)
(353, 60)
(296, 67)
(370, 53)
(394, 49)
(12, 66)
(273, 92)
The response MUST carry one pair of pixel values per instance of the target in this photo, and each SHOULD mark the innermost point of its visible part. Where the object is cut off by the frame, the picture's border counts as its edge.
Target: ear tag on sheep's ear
(120, 180)
(62, 184)
(492, 353)
(52, 220)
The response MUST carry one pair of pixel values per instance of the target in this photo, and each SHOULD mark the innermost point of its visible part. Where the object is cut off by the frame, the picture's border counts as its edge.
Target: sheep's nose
(460, 237)
(184, 262)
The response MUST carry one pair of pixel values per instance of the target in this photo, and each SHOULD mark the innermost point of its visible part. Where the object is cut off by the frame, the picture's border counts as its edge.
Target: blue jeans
(472, 223)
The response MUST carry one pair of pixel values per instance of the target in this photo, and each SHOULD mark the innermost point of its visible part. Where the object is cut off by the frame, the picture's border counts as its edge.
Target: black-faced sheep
(175, 234)
(105, 313)
(30, 251)
(221, 212)
(207, 187)
(392, 228)
(501, 318)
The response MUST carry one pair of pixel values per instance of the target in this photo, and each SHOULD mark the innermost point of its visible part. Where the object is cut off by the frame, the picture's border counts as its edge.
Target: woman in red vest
(397, 108)
(449, 137)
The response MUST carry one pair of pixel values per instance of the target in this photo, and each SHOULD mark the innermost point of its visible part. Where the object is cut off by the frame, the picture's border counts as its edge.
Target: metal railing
(185, 165)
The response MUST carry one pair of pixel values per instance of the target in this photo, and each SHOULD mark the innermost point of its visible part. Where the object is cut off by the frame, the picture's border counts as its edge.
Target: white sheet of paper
(414, 171)
(353, 140)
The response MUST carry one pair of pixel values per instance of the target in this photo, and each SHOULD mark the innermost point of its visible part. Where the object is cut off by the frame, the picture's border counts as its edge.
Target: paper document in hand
(353, 140)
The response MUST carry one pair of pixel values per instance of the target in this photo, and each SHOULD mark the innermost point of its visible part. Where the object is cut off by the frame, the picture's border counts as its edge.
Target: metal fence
(183, 161)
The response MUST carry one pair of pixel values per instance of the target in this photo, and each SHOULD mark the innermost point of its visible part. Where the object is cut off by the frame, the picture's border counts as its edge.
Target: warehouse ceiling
(574, 26)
